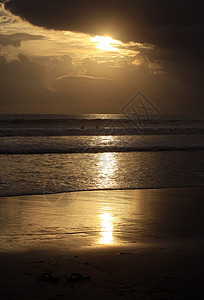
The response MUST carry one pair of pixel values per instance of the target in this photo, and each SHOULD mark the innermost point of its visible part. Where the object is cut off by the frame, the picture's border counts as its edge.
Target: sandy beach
(133, 244)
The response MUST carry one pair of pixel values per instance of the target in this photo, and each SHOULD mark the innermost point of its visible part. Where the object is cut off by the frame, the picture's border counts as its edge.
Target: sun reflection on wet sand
(106, 223)
(100, 219)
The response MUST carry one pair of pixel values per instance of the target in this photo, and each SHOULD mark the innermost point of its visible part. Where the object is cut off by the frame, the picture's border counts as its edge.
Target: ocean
(44, 154)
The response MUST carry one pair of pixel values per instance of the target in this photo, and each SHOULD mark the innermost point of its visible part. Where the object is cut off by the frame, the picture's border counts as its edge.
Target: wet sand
(134, 244)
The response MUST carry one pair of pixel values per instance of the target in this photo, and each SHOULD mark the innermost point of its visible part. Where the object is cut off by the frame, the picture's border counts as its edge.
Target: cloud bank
(174, 27)
(126, 20)
(166, 61)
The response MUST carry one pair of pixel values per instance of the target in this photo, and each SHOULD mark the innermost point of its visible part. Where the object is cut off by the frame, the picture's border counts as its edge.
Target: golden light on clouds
(55, 43)
(65, 53)
(106, 43)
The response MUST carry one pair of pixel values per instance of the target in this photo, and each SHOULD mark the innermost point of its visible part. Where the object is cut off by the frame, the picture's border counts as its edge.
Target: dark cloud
(60, 66)
(24, 90)
(129, 20)
(174, 27)
(21, 82)
(16, 38)
(94, 69)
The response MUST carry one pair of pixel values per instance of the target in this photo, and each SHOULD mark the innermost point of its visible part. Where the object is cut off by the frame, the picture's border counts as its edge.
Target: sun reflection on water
(107, 163)
(107, 170)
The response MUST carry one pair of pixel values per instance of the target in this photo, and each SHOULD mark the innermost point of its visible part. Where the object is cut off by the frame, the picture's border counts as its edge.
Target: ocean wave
(100, 144)
(98, 131)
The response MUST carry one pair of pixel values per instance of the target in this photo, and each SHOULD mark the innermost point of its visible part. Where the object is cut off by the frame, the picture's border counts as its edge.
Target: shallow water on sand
(101, 218)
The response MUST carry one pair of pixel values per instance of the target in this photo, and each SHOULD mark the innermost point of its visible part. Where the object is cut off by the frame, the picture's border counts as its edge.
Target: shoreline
(104, 190)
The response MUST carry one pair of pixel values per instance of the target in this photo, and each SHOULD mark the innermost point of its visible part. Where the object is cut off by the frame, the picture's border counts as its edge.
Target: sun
(106, 43)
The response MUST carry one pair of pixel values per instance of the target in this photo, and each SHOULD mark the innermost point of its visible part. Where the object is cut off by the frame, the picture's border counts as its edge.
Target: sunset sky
(91, 57)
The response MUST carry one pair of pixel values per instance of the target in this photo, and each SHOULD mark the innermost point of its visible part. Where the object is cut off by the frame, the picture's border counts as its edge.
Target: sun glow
(106, 43)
